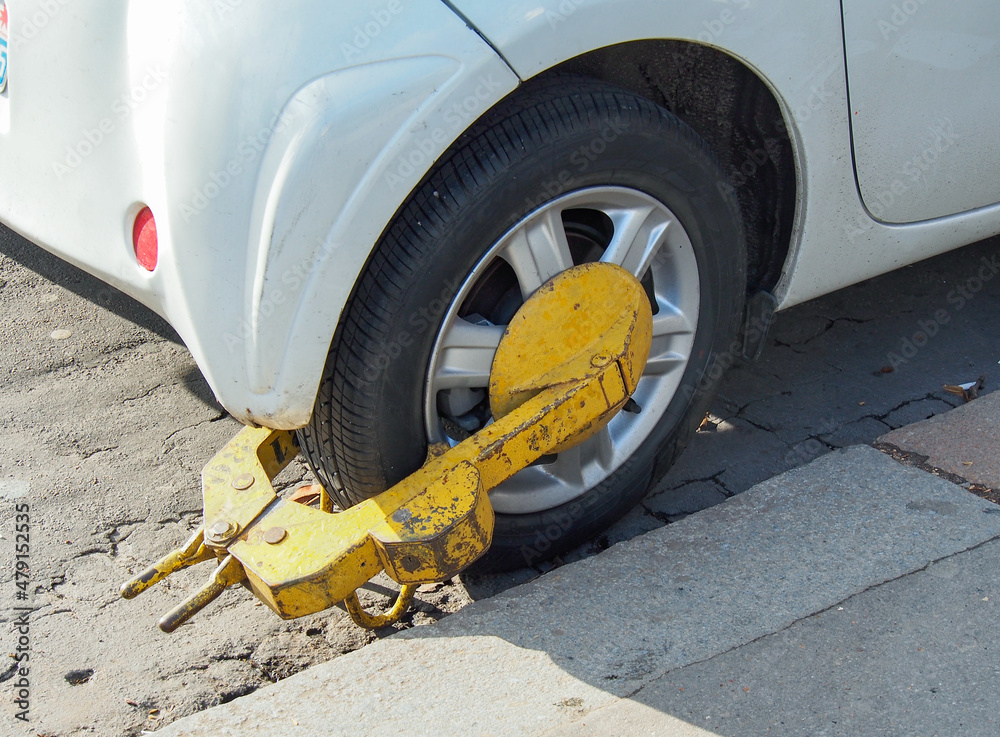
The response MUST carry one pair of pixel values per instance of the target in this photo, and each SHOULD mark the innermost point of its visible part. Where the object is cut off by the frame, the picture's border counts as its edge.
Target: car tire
(569, 152)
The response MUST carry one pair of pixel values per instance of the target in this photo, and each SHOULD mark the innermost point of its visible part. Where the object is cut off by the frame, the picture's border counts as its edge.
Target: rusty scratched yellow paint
(567, 363)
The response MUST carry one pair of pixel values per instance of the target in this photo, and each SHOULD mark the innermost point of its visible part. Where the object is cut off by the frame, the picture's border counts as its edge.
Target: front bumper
(273, 151)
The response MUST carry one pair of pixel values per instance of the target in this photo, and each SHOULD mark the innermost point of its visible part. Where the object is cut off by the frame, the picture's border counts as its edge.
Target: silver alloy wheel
(617, 224)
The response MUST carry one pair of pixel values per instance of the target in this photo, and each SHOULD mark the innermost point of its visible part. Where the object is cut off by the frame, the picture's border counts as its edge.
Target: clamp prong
(193, 552)
(228, 573)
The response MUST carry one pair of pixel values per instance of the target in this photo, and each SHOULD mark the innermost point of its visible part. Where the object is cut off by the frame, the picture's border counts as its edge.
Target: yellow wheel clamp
(567, 363)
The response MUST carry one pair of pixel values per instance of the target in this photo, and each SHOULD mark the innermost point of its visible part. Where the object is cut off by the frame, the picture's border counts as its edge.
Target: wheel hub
(615, 224)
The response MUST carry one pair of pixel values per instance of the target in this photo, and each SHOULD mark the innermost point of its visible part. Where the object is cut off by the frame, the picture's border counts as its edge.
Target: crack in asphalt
(115, 536)
(7, 674)
(219, 416)
(19, 378)
(819, 443)
(715, 479)
(183, 515)
(757, 425)
(148, 392)
(62, 610)
(88, 454)
(55, 581)
(46, 372)
(882, 417)
(831, 323)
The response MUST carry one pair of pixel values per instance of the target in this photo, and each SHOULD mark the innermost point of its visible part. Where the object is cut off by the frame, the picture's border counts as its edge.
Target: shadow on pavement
(82, 284)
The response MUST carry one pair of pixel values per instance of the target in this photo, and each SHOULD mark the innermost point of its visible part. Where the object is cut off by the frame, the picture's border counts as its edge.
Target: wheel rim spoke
(467, 355)
(667, 324)
(601, 448)
(538, 251)
(663, 362)
(639, 233)
(670, 321)
(568, 467)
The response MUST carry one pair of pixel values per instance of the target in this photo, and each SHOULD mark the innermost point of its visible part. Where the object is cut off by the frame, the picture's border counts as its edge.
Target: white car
(339, 205)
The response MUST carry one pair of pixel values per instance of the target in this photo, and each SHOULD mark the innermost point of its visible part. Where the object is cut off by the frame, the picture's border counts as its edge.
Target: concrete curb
(964, 442)
(541, 656)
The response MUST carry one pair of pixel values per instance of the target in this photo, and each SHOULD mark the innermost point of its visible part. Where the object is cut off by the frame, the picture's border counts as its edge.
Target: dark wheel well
(732, 109)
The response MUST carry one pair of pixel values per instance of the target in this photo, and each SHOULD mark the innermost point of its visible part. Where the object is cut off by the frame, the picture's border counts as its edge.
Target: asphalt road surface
(105, 424)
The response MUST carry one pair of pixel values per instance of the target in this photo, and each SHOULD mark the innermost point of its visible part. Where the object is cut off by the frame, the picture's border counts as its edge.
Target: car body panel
(275, 144)
(797, 49)
(925, 100)
(316, 228)
(164, 104)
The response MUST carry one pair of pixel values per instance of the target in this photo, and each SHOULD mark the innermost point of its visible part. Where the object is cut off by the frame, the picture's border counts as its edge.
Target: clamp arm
(546, 396)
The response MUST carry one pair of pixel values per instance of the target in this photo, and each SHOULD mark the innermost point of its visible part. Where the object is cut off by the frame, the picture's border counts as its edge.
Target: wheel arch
(737, 113)
(745, 127)
(366, 431)
(727, 103)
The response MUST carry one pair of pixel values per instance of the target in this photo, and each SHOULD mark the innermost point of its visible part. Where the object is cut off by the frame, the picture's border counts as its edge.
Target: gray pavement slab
(964, 441)
(551, 652)
(915, 656)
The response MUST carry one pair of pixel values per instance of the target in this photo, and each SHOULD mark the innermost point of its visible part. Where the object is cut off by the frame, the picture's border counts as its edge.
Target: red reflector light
(144, 239)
